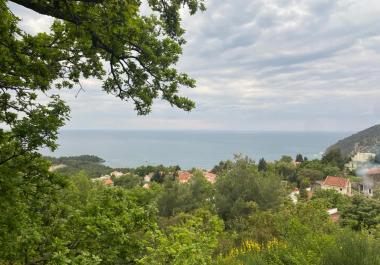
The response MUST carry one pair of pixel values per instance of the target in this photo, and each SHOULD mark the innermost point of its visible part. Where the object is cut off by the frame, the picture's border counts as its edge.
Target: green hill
(366, 141)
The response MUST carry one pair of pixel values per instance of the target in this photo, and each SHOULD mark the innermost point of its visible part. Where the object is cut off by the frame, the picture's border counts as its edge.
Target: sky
(261, 65)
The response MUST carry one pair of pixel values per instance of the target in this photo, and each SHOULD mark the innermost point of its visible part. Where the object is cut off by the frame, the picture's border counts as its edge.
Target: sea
(189, 149)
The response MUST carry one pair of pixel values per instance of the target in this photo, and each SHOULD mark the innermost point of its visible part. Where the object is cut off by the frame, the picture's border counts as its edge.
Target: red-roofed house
(341, 185)
(184, 176)
(211, 177)
(107, 182)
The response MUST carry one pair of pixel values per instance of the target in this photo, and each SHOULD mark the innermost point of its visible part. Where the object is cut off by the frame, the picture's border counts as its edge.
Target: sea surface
(188, 149)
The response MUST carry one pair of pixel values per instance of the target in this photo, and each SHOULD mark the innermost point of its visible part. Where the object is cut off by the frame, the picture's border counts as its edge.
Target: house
(359, 160)
(294, 195)
(334, 214)
(117, 174)
(211, 177)
(106, 180)
(148, 178)
(185, 176)
(341, 185)
(370, 181)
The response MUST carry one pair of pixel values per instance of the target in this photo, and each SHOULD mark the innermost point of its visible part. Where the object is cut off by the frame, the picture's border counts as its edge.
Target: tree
(134, 55)
(192, 239)
(286, 170)
(332, 199)
(128, 181)
(49, 219)
(186, 197)
(299, 158)
(363, 213)
(286, 159)
(242, 188)
(262, 166)
(334, 157)
(222, 166)
(312, 174)
(28, 192)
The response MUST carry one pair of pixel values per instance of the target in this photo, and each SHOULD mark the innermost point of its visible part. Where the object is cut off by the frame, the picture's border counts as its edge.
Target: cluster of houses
(183, 177)
(107, 179)
(369, 172)
(370, 180)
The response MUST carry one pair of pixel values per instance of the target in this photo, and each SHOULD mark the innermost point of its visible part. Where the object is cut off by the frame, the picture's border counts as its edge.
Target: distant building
(341, 185)
(106, 180)
(53, 168)
(370, 181)
(294, 195)
(211, 177)
(185, 176)
(148, 178)
(334, 214)
(117, 174)
(360, 160)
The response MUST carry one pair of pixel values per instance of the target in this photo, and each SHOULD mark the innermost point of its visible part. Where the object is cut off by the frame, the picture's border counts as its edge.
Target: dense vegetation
(246, 217)
(91, 165)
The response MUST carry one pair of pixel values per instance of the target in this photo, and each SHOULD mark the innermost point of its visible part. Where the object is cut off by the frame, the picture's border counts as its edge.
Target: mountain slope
(366, 141)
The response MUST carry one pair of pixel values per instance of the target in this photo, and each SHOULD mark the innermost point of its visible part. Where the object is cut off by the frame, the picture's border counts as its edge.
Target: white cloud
(262, 65)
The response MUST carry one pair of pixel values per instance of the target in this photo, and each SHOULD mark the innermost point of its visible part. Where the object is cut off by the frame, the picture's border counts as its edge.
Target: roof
(374, 171)
(107, 182)
(334, 214)
(336, 181)
(211, 177)
(184, 176)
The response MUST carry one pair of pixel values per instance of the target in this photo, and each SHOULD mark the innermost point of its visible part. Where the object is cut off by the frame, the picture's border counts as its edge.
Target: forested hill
(367, 140)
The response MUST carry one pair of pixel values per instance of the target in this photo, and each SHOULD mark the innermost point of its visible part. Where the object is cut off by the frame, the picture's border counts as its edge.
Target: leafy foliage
(134, 55)
(243, 186)
(334, 157)
(186, 197)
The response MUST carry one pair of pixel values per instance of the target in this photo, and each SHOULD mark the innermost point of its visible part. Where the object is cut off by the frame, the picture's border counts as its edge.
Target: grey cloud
(262, 65)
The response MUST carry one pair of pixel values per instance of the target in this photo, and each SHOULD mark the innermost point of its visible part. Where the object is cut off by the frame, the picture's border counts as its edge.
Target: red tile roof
(336, 181)
(211, 177)
(184, 176)
(374, 171)
(108, 182)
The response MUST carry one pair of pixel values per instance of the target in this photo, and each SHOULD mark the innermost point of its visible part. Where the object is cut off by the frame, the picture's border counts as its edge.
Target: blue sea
(188, 149)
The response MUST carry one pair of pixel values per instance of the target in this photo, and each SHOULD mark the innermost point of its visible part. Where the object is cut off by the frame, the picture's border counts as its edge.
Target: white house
(359, 160)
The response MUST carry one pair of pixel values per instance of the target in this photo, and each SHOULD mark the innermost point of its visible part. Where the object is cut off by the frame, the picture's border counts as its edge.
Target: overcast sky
(296, 65)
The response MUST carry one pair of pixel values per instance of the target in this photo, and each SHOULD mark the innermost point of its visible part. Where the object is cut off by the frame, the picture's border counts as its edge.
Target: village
(362, 164)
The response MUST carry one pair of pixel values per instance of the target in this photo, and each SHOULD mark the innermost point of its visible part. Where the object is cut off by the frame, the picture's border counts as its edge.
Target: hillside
(70, 165)
(364, 141)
